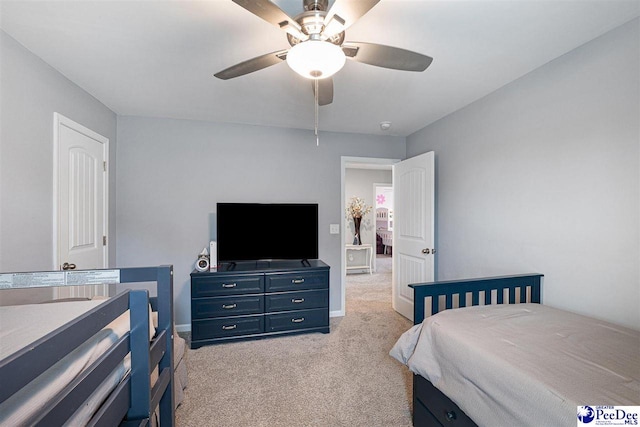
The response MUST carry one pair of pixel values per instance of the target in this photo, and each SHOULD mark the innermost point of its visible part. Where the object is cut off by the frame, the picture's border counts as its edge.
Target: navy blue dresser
(259, 299)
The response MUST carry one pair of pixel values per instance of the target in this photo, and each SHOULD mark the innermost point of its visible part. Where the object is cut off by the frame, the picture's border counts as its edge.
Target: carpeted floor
(345, 378)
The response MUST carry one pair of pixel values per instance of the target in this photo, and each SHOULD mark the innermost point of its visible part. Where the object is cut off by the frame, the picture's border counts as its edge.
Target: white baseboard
(337, 313)
(185, 327)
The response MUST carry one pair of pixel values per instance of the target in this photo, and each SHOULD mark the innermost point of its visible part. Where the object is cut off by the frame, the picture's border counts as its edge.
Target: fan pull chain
(316, 108)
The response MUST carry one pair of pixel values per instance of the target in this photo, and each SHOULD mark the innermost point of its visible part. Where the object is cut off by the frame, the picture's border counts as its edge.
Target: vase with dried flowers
(355, 211)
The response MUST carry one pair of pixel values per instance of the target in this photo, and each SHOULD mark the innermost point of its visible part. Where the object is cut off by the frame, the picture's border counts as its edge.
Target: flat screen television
(267, 231)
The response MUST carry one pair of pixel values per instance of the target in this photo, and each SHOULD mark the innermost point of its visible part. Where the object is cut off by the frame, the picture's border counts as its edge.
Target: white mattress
(524, 364)
(22, 325)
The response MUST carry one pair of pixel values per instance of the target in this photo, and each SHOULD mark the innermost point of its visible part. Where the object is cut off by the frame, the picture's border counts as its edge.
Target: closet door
(80, 201)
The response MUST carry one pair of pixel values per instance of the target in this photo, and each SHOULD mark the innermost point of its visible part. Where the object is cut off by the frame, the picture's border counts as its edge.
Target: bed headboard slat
(528, 284)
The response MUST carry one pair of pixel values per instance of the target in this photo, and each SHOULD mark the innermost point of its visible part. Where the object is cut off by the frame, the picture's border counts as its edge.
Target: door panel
(413, 236)
(83, 198)
(81, 201)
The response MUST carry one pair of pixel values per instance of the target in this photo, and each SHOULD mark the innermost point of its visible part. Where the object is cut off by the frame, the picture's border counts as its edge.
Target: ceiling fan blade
(386, 56)
(272, 14)
(344, 13)
(325, 90)
(251, 65)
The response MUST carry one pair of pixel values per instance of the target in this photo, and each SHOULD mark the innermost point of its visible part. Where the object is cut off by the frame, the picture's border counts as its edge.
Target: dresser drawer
(422, 417)
(442, 408)
(226, 285)
(227, 326)
(300, 300)
(292, 320)
(227, 306)
(277, 282)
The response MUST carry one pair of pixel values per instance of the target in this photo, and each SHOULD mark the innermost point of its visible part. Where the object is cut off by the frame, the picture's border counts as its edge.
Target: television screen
(267, 231)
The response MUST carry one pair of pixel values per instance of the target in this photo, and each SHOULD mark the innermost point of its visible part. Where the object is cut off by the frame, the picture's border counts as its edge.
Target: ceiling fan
(318, 48)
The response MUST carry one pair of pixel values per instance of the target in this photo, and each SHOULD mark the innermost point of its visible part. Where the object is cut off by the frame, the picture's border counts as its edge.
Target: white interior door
(81, 200)
(413, 231)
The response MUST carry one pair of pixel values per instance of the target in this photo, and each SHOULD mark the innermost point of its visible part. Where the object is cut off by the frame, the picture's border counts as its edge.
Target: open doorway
(413, 249)
(383, 209)
(361, 178)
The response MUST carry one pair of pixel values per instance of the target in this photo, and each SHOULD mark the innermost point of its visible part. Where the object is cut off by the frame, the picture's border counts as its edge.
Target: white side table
(368, 248)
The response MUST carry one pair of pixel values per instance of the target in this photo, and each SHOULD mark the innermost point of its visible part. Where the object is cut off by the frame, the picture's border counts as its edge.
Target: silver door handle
(426, 251)
(68, 266)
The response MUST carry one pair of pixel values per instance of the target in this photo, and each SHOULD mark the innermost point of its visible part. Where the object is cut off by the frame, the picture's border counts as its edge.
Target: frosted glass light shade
(315, 59)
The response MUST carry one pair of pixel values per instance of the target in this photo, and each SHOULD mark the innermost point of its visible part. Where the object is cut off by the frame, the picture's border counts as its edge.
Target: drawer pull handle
(300, 320)
(451, 415)
(297, 301)
(229, 327)
(229, 285)
(297, 281)
(229, 306)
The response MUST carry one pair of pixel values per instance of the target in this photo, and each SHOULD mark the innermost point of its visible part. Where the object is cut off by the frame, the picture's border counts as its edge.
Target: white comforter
(524, 364)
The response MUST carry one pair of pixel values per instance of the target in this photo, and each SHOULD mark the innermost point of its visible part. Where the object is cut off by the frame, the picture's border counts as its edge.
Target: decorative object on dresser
(213, 255)
(202, 263)
(259, 299)
(355, 211)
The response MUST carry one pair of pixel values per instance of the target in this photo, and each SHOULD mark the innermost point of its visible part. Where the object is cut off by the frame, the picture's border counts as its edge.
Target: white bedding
(524, 364)
(22, 325)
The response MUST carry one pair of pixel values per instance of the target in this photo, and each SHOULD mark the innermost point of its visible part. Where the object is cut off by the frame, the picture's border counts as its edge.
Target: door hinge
(104, 165)
(104, 240)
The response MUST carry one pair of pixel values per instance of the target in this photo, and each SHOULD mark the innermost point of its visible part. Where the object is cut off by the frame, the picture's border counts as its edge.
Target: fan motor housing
(312, 24)
(316, 4)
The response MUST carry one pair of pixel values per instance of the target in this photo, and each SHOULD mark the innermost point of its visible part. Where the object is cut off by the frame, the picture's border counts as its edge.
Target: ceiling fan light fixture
(316, 59)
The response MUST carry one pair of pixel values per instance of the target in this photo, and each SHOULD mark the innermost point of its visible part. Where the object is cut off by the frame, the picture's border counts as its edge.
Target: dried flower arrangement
(357, 208)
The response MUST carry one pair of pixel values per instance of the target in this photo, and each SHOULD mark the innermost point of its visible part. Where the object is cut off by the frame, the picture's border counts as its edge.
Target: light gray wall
(171, 173)
(31, 92)
(543, 176)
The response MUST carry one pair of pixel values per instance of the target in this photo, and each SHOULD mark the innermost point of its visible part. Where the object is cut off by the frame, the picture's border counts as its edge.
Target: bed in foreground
(503, 359)
(93, 362)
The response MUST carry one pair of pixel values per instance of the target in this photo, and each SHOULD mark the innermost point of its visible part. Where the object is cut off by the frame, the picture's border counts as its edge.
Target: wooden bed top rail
(520, 288)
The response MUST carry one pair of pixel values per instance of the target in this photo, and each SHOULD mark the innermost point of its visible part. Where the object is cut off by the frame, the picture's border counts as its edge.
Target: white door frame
(58, 121)
(351, 162)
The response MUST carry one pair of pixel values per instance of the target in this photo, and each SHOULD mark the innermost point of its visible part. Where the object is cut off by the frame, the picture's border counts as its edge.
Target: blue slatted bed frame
(135, 399)
(430, 406)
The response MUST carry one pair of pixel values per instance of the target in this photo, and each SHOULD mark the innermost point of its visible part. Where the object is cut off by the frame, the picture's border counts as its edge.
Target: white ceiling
(157, 58)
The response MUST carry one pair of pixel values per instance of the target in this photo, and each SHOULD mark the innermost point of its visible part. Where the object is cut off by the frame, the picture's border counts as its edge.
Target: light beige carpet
(345, 378)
